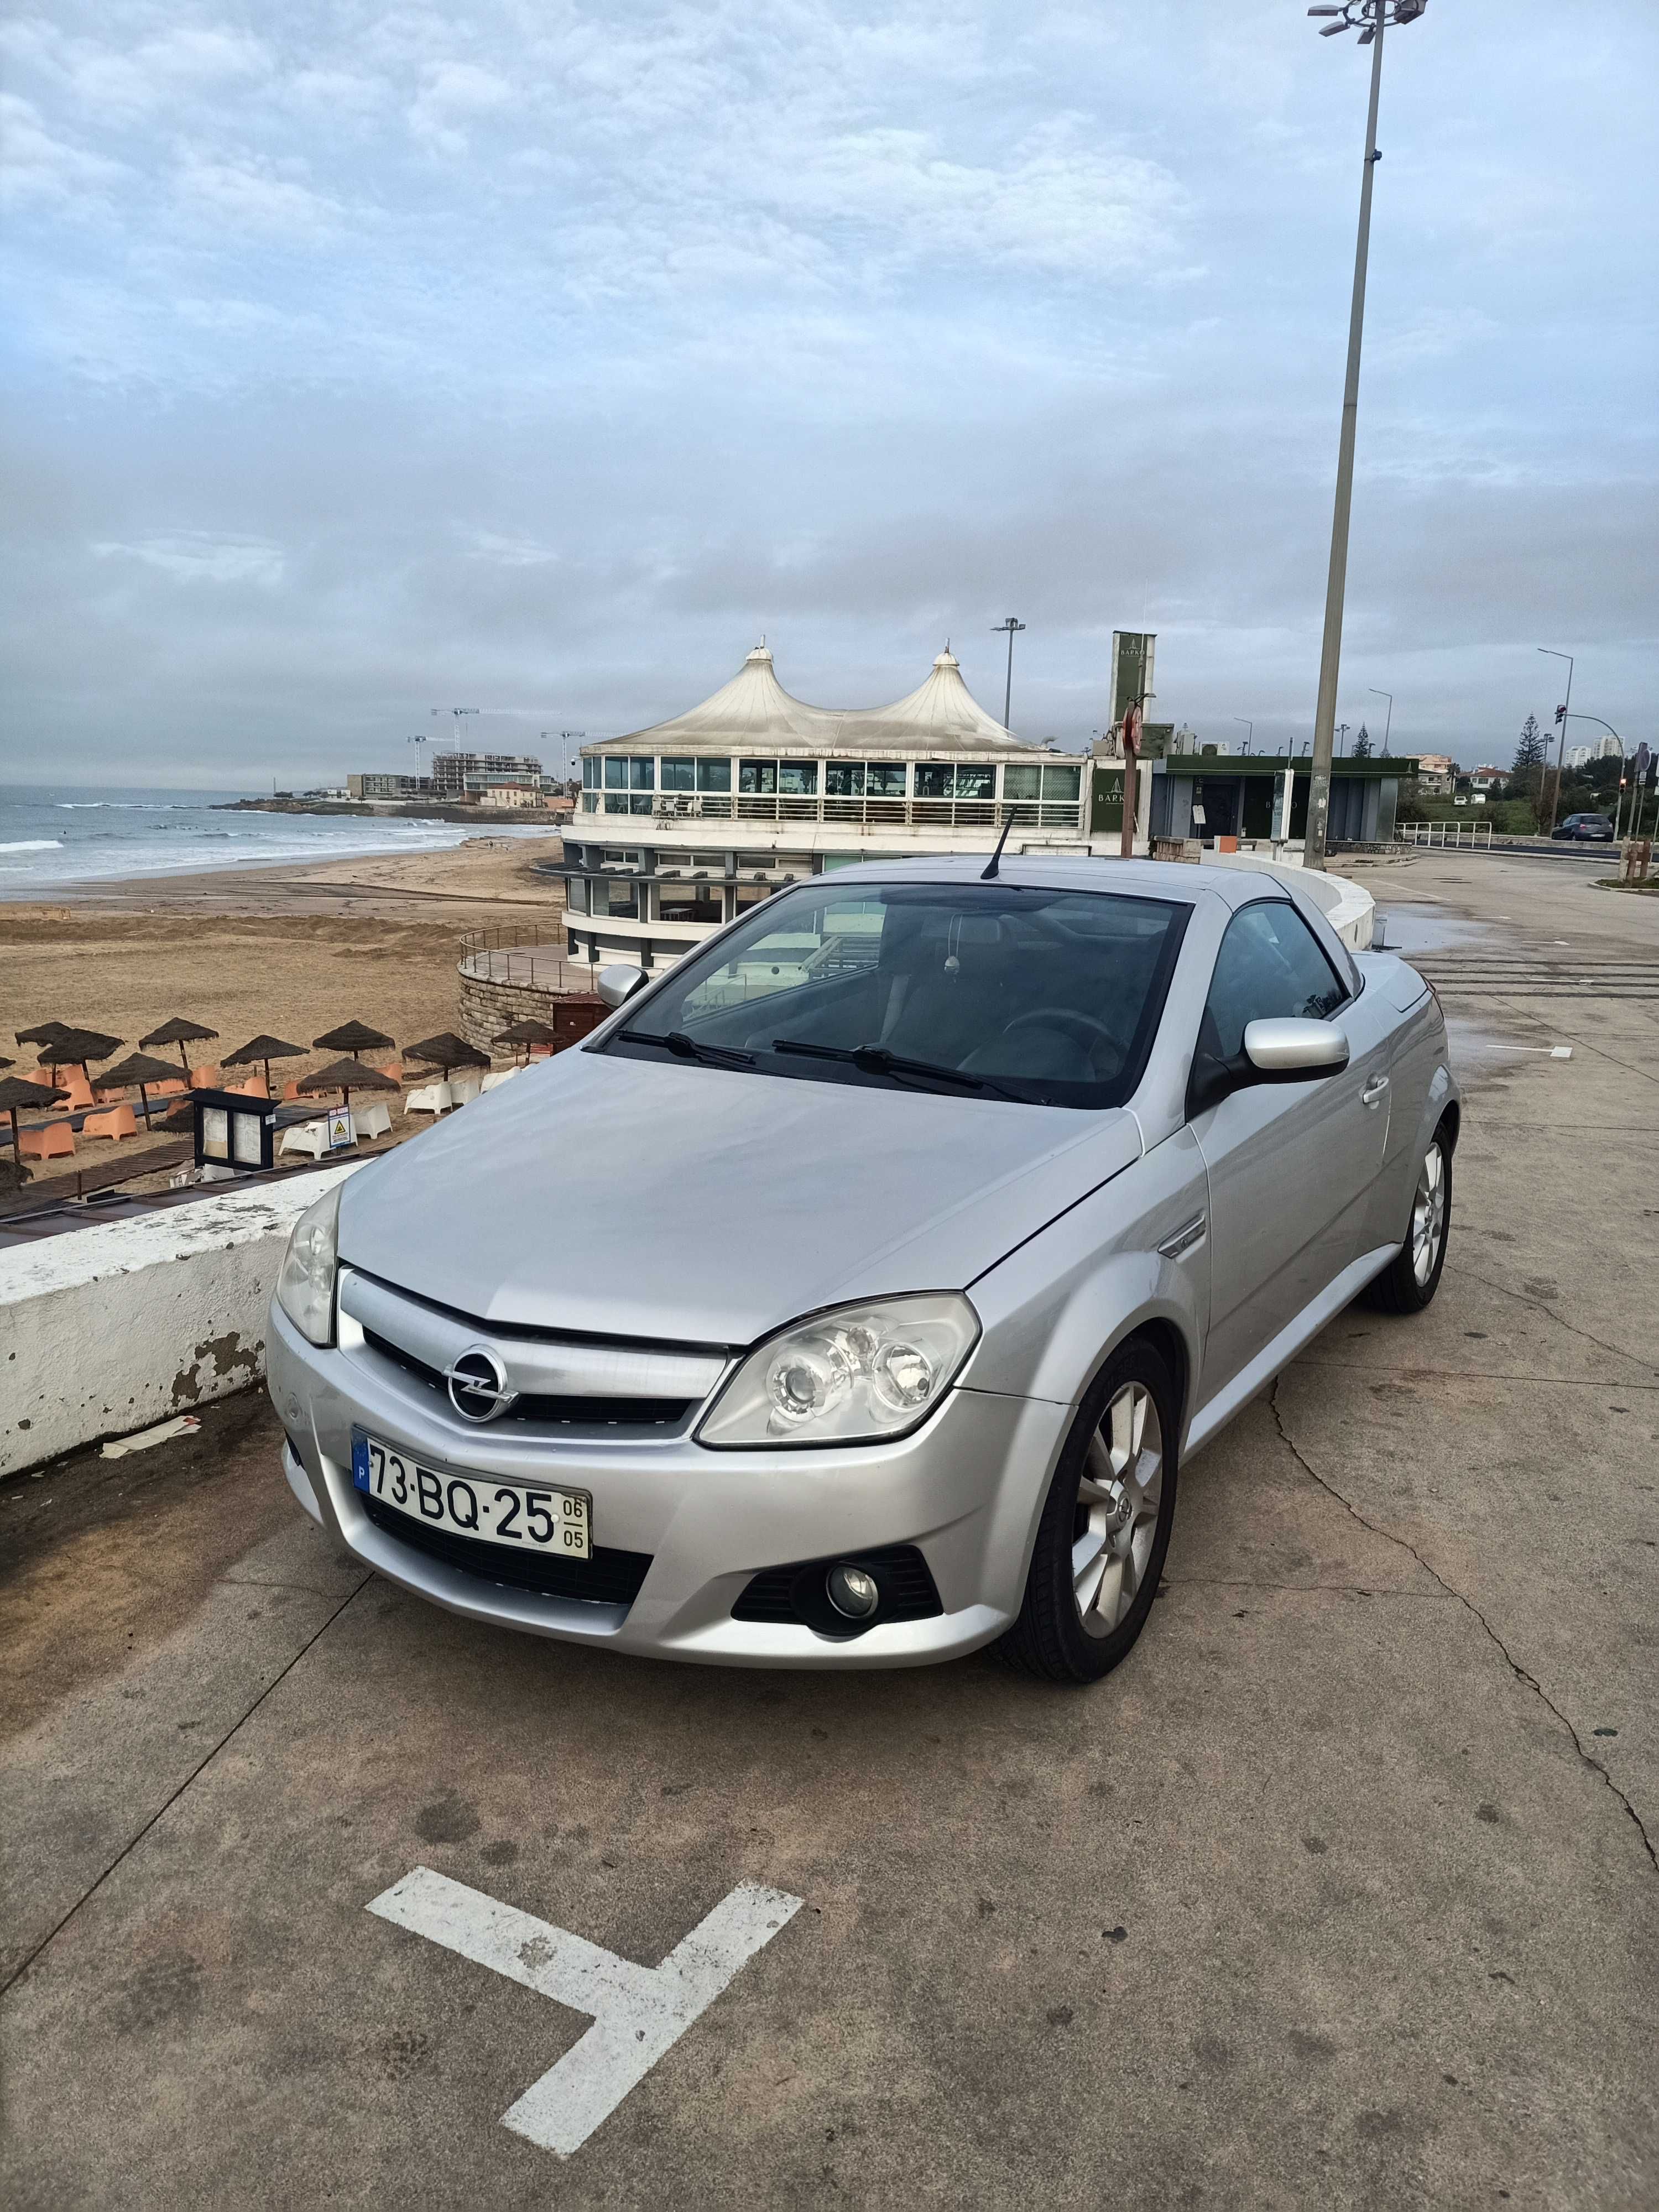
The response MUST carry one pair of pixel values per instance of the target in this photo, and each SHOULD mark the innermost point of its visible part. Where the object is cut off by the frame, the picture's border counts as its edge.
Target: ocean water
(53, 841)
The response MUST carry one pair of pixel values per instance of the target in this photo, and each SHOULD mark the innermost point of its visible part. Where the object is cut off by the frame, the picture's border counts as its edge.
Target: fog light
(851, 1592)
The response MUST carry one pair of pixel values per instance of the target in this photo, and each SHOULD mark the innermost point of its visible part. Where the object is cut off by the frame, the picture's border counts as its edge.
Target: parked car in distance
(854, 1294)
(1588, 828)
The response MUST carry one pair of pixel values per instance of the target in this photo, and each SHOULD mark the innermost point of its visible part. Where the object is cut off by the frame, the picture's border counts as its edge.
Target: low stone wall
(110, 1329)
(487, 1008)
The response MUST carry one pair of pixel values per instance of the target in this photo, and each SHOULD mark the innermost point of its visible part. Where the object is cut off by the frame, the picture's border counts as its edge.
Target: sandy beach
(292, 950)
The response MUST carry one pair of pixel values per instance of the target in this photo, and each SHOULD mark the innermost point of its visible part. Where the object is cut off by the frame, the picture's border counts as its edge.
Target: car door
(1290, 1164)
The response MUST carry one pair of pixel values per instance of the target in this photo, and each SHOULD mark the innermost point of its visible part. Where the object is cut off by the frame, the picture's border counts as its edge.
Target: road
(1341, 1891)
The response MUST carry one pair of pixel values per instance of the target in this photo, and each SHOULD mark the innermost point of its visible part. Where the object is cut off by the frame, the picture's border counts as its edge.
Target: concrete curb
(107, 1330)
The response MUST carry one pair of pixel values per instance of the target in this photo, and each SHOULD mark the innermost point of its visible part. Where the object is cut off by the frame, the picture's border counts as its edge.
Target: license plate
(538, 1519)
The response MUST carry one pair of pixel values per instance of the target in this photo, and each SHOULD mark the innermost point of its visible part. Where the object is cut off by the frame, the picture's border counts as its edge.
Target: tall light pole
(1250, 729)
(418, 742)
(1561, 714)
(1013, 629)
(1370, 18)
(1388, 724)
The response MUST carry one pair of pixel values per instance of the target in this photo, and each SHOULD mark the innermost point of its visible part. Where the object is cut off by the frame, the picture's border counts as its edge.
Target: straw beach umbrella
(524, 1033)
(69, 1048)
(16, 1093)
(181, 1032)
(354, 1037)
(142, 1068)
(345, 1076)
(264, 1049)
(445, 1051)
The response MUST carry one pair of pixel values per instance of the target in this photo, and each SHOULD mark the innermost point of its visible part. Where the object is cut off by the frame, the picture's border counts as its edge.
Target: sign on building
(1132, 654)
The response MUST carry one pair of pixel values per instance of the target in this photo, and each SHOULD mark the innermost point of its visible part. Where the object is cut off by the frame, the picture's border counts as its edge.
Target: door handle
(1372, 1094)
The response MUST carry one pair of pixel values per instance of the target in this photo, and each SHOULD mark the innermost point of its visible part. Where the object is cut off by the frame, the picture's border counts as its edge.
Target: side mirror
(1281, 1051)
(1291, 1051)
(618, 983)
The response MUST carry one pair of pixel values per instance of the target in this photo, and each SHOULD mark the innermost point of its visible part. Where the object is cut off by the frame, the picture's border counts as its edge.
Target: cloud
(193, 556)
(453, 94)
(35, 165)
(506, 552)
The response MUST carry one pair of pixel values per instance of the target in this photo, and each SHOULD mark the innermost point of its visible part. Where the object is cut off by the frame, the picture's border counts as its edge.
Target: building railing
(670, 807)
(1454, 834)
(534, 959)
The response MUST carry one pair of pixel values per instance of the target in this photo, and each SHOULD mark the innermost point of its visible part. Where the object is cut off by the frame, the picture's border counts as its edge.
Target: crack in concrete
(1472, 1374)
(161, 1810)
(1524, 1299)
(1530, 1681)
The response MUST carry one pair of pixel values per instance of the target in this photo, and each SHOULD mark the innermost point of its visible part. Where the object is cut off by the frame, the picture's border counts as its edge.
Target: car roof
(1184, 882)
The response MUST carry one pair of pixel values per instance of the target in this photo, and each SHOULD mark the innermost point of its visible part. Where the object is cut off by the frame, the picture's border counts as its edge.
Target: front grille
(795, 1596)
(551, 1412)
(608, 1577)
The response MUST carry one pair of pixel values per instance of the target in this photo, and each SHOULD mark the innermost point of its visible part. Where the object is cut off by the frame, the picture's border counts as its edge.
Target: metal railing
(1465, 833)
(534, 960)
(669, 807)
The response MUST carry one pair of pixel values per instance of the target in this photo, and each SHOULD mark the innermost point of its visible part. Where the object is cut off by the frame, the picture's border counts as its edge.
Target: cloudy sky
(537, 357)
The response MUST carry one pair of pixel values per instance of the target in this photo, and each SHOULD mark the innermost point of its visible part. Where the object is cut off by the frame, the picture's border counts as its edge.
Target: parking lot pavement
(1342, 1891)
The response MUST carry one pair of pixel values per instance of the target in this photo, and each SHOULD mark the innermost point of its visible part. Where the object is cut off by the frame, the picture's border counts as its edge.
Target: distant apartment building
(1580, 756)
(476, 775)
(517, 795)
(1609, 749)
(1436, 773)
(387, 786)
(1483, 779)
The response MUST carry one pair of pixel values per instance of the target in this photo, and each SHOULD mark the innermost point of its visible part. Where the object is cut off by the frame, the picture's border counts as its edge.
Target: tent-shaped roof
(754, 711)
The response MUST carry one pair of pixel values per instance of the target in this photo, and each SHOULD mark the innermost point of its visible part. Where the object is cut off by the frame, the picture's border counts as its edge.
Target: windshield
(1047, 997)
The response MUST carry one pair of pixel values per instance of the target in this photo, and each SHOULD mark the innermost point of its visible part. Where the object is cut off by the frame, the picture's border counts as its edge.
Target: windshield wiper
(876, 1059)
(687, 1047)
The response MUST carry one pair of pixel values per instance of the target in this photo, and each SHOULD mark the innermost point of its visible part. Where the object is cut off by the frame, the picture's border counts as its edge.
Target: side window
(1269, 966)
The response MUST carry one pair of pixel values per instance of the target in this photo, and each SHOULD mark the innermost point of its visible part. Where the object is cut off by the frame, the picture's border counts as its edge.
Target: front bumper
(966, 1489)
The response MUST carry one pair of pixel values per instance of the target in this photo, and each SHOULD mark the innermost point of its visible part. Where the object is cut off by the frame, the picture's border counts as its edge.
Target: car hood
(636, 1198)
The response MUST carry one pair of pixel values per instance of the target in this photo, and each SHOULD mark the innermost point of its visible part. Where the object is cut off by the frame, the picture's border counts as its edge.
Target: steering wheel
(1083, 1029)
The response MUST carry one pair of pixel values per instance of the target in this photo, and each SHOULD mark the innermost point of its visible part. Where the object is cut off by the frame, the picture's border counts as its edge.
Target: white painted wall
(107, 1329)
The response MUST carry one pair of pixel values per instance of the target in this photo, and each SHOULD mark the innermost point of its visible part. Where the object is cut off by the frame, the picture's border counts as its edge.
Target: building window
(1022, 782)
(936, 779)
(1061, 785)
(689, 903)
(714, 862)
(616, 802)
(622, 856)
(759, 776)
(642, 775)
(713, 775)
(798, 779)
(590, 802)
(865, 779)
(589, 771)
(616, 772)
(576, 895)
(617, 900)
(679, 775)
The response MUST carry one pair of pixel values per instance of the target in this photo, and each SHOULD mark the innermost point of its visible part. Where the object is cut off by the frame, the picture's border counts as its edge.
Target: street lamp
(1013, 629)
(1561, 713)
(1370, 18)
(1388, 725)
(1250, 729)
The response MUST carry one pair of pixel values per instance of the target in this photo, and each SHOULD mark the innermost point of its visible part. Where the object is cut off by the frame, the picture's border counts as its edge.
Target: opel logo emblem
(477, 1385)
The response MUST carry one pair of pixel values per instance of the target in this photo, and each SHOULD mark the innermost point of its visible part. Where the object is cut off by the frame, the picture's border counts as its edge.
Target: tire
(1074, 1626)
(1406, 1285)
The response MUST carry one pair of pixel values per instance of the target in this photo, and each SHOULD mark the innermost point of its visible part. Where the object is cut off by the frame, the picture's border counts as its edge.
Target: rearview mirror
(1285, 1051)
(618, 983)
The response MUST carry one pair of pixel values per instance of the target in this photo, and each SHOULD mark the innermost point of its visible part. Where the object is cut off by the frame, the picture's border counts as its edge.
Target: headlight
(305, 1288)
(852, 1376)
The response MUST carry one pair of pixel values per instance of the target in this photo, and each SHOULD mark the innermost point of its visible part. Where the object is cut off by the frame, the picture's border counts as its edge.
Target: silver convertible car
(853, 1296)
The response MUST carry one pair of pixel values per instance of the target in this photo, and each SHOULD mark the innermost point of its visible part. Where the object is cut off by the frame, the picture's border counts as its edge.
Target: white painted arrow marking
(638, 2012)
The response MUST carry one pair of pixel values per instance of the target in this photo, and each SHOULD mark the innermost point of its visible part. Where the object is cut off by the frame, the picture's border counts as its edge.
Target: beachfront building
(479, 776)
(684, 825)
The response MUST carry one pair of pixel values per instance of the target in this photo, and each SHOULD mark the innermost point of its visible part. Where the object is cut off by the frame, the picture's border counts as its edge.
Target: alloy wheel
(1118, 1500)
(1429, 1214)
